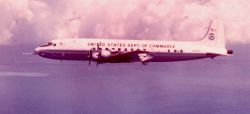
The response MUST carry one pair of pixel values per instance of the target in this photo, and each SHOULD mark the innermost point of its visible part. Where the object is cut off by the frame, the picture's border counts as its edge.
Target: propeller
(99, 55)
(90, 56)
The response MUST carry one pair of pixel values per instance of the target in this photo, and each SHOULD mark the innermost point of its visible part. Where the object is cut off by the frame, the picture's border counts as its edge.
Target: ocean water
(34, 85)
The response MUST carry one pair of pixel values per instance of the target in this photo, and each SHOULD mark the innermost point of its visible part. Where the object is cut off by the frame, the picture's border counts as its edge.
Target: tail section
(215, 35)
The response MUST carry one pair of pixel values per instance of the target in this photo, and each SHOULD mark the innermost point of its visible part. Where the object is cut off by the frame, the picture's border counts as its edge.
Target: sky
(37, 21)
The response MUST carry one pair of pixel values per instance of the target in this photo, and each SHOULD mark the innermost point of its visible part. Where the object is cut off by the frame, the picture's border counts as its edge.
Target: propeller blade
(99, 55)
(90, 57)
(97, 63)
(97, 47)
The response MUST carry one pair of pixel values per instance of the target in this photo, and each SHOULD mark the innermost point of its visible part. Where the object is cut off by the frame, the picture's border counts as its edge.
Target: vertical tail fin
(215, 35)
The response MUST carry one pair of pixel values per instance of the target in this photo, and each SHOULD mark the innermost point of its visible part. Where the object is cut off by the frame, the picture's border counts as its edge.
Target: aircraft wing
(142, 56)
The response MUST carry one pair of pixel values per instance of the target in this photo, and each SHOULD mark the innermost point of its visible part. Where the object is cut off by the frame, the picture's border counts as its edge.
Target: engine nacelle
(104, 54)
(95, 55)
(144, 57)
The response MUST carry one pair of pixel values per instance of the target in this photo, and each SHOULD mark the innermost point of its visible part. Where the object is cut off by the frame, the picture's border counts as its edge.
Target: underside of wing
(134, 56)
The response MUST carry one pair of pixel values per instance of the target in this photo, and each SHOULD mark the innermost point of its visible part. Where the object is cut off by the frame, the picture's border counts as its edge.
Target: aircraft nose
(37, 50)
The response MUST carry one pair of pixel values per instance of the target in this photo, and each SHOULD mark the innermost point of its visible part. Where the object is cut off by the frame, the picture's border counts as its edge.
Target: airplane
(144, 51)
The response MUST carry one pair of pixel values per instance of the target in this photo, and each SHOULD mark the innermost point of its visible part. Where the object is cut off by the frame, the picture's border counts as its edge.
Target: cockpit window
(49, 44)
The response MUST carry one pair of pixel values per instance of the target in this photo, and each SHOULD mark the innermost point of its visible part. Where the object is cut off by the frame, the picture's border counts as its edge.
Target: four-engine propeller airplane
(119, 51)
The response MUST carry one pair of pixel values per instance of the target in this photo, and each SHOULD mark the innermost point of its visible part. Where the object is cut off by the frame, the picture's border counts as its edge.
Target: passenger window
(119, 49)
(107, 49)
(132, 49)
(175, 51)
(54, 44)
(125, 49)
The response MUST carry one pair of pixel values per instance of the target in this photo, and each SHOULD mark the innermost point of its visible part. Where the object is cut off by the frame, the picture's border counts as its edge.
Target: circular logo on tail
(211, 36)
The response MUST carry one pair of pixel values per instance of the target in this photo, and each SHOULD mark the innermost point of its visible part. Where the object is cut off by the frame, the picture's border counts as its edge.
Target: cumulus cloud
(33, 21)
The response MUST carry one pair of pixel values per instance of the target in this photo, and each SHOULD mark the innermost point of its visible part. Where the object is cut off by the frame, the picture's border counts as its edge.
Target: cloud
(36, 21)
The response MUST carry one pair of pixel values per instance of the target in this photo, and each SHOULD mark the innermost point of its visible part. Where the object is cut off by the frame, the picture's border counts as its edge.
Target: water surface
(33, 85)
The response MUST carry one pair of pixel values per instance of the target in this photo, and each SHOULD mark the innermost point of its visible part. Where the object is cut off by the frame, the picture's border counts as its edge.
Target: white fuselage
(111, 50)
